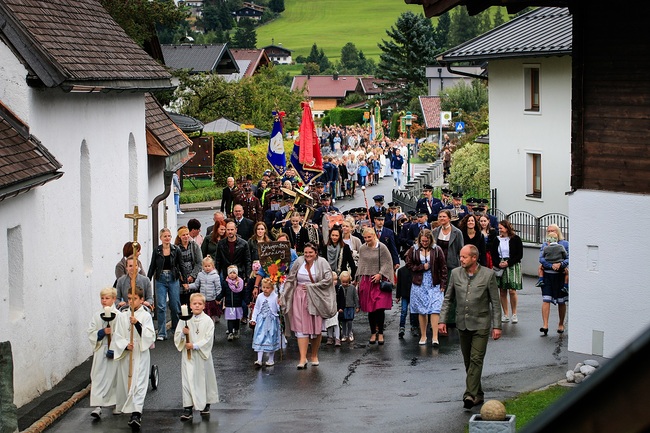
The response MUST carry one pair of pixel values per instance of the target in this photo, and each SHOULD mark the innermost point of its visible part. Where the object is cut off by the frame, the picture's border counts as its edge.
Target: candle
(184, 310)
(107, 311)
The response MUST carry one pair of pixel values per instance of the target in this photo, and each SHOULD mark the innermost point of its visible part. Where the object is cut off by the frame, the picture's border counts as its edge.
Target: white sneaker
(515, 319)
(504, 319)
(116, 411)
(96, 413)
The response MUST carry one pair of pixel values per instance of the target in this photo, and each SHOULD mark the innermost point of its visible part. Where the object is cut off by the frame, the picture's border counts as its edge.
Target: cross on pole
(135, 216)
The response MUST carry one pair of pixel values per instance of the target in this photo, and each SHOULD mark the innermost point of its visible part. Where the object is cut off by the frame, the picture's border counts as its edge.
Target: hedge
(241, 162)
(344, 116)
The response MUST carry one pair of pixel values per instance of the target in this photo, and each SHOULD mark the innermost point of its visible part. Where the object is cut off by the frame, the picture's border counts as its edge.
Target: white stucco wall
(13, 87)
(514, 133)
(609, 292)
(70, 251)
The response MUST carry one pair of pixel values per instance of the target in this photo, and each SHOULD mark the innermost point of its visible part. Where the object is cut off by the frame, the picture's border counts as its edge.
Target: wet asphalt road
(400, 386)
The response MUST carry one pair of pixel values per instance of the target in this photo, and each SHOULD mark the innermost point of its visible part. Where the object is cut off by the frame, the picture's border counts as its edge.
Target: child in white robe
(102, 373)
(199, 380)
(132, 399)
(265, 318)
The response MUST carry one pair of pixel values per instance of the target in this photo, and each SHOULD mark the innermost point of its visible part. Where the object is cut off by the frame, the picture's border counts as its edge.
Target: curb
(49, 418)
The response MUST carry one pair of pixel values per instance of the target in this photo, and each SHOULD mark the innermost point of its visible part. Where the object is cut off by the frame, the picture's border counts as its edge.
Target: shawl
(333, 252)
(235, 286)
(371, 258)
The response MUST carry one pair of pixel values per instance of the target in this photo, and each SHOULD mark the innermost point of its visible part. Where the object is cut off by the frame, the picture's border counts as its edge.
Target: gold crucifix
(135, 216)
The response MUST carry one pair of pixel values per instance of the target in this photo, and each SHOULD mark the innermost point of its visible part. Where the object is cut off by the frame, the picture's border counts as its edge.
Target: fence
(531, 228)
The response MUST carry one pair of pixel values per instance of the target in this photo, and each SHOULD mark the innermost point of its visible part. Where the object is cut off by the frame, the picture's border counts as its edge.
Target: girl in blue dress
(265, 318)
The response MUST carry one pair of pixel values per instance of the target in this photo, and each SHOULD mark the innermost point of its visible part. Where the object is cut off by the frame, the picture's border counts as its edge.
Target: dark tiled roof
(200, 58)
(431, 110)
(77, 42)
(24, 162)
(325, 86)
(161, 126)
(373, 86)
(542, 32)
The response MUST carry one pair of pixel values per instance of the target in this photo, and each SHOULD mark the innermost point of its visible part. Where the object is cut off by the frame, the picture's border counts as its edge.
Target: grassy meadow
(333, 23)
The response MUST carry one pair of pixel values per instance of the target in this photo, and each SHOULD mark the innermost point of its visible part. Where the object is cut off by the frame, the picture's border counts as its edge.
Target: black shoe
(187, 414)
(468, 402)
(206, 410)
(135, 422)
(544, 331)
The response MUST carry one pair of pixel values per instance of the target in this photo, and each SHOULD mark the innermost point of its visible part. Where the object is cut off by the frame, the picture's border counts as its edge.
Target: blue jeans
(166, 285)
(397, 177)
(413, 320)
(177, 201)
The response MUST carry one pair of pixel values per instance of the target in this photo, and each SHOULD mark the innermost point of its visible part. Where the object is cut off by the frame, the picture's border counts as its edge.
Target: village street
(398, 386)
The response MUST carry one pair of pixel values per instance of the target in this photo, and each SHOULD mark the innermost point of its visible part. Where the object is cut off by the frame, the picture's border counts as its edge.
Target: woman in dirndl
(507, 250)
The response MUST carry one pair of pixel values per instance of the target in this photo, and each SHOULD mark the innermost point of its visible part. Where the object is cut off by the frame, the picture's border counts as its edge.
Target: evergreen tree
(276, 6)
(366, 66)
(405, 56)
(463, 27)
(245, 36)
(498, 17)
(484, 21)
(313, 55)
(442, 31)
(324, 62)
(349, 58)
(310, 69)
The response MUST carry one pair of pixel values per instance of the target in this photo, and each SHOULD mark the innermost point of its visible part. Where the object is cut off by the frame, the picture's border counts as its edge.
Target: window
(531, 88)
(534, 174)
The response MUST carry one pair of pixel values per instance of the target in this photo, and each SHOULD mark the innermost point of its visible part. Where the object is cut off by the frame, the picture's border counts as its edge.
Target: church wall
(71, 230)
(13, 86)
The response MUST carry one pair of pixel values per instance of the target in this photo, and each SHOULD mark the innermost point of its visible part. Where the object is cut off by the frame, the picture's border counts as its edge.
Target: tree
(310, 68)
(406, 54)
(349, 57)
(276, 6)
(498, 17)
(467, 98)
(139, 18)
(484, 22)
(462, 27)
(471, 168)
(442, 31)
(245, 35)
(216, 17)
(318, 56)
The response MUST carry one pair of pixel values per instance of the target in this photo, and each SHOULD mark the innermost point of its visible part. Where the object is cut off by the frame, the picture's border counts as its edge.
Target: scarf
(333, 256)
(235, 286)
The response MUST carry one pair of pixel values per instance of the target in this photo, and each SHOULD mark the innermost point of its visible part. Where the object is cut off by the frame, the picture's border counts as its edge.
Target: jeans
(166, 286)
(333, 189)
(413, 318)
(177, 201)
(397, 177)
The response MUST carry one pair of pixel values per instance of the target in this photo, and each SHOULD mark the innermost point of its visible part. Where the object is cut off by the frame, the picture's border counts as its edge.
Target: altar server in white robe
(132, 399)
(197, 371)
(102, 372)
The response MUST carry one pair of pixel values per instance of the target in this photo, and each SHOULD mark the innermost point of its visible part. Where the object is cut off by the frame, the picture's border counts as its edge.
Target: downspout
(465, 74)
(167, 176)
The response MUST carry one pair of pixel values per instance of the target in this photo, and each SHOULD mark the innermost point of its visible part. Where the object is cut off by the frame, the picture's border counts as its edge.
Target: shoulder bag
(384, 285)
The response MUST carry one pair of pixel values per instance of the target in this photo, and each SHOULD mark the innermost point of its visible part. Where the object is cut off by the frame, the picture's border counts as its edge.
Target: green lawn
(333, 23)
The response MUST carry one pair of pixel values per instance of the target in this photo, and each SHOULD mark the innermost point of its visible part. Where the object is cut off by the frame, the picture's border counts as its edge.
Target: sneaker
(330, 341)
(344, 339)
(236, 335)
(351, 338)
(337, 342)
(187, 414)
(515, 319)
(401, 332)
(96, 413)
(504, 319)
(269, 364)
(540, 282)
(180, 213)
(206, 410)
(135, 422)
(231, 336)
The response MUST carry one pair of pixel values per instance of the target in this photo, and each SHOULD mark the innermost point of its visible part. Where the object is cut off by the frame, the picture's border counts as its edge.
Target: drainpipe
(167, 176)
(465, 74)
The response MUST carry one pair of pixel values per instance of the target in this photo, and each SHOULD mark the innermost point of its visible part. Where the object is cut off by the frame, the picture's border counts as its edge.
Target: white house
(80, 112)
(529, 68)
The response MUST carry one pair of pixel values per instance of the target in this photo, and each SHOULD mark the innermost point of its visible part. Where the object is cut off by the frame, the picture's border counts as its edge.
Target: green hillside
(333, 23)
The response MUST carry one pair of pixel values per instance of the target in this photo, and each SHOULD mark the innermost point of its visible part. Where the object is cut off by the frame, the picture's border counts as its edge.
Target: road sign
(245, 126)
(460, 126)
(445, 118)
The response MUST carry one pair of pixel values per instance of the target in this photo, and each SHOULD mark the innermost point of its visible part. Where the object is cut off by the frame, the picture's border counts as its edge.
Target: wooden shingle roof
(215, 58)
(24, 162)
(163, 136)
(77, 43)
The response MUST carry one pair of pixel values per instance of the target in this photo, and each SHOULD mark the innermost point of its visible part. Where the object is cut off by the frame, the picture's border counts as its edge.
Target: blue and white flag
(275, 153)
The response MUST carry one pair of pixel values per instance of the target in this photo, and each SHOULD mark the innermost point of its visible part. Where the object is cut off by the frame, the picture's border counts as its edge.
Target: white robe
(132, 400)
(102, 373)
(199, 379)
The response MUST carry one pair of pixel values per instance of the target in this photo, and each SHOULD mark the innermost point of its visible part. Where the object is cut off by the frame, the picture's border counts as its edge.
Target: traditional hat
(411, 213)
(427, 187)
(457, 195)
(381, 214)
(446, 191)
(393, 204)
(379, 198)
(326, 196)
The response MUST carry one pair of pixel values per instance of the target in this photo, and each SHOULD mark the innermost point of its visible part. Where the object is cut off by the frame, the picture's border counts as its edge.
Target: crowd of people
(427, 262)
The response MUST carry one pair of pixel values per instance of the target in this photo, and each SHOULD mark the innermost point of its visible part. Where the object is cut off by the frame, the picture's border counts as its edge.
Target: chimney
(335, 76)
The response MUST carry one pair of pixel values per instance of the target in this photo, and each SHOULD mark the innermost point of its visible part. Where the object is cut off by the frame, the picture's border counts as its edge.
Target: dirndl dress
(426, 298)
(511, 278)
(301, 320)
(266, 337)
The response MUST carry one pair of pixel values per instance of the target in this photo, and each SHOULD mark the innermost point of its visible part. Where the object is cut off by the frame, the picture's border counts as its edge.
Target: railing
(531, 228)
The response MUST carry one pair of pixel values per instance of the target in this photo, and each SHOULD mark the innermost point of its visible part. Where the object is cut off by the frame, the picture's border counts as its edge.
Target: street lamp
(366, 114)
(408, 121)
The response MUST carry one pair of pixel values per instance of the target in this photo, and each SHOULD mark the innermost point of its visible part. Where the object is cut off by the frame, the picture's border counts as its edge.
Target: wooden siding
(611, 102)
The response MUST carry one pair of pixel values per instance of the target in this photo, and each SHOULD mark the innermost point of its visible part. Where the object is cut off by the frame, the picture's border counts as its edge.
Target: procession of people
(333, 265)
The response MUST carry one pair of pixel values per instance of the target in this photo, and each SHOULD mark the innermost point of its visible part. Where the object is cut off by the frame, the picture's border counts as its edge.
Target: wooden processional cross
(135, 216)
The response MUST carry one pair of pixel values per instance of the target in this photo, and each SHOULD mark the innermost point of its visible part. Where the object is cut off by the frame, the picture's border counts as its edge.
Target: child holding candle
(232, 296)
(209, 285)
(102, 372)
(137, 327)
(197, 370)
(265, 318)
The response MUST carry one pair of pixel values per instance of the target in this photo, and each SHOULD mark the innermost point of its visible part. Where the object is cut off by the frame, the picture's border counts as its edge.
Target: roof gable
(24, 162)
(252, 59)
(160, 127)
(326, 86)
(77, 43)
(215, 58)
(541, 32)
(431, 111)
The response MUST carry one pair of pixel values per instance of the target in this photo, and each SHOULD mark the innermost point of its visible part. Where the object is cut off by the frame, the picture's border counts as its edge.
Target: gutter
(167, 176)
(465, 74)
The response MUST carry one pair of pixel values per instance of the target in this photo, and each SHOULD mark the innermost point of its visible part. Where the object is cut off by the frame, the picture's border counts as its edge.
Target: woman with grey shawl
(307, 298)
(338, 253)
(375, 265)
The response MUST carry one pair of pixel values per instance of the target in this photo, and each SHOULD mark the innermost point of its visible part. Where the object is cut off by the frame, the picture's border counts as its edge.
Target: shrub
(428, 152)
(346, 116)
(241, 162)
(470, 167)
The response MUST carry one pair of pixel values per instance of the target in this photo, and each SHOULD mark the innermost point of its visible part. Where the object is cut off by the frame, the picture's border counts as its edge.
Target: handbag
(498, 271)
(384, 285)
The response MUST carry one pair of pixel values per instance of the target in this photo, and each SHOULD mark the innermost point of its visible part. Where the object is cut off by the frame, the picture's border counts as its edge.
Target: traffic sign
(245, 126)
(460, 126)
